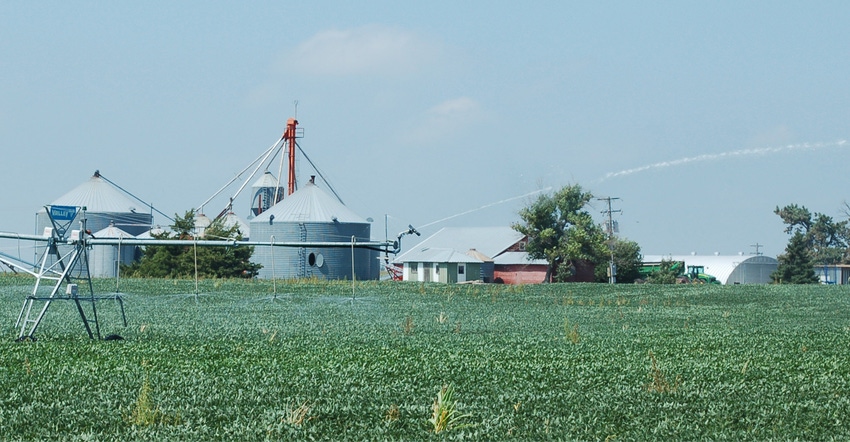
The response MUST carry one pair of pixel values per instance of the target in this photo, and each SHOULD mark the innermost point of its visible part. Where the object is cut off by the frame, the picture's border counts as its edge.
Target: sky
(699, 117)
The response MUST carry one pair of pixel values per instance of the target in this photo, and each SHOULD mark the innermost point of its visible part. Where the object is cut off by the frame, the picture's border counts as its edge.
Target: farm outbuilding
(312, 215)
(833, 273)
(501, 251)
(441, 265)
(518, 268)
(728, 269)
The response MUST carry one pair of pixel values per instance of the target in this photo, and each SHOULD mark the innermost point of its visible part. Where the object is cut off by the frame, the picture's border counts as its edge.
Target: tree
(628, 260)
(825, 240)
(561, 232)
(795, 265)
(165, 261)
(668, 273)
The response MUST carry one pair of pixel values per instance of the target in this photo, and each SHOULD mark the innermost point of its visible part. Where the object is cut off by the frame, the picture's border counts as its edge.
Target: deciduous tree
(627, 258)
(562, 232)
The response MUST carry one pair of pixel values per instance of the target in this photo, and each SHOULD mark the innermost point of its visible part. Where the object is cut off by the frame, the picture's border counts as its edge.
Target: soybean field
(309, 360)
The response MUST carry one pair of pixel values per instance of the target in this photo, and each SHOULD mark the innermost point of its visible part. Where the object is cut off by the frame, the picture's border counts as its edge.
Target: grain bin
(312, 215)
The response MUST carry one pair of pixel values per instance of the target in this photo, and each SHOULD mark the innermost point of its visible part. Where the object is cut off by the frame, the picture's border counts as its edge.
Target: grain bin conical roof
(310, 204)
(96, 195)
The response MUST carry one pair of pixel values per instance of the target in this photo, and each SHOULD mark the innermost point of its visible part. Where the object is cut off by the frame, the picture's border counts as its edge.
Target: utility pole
(757, 246)
(612, 268)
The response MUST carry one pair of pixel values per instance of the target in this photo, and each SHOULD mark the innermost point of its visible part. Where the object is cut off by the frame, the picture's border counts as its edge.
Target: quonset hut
(312, 215)
(728, 269)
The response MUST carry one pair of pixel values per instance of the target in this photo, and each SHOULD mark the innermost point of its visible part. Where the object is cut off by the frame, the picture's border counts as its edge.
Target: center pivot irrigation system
(62, 272)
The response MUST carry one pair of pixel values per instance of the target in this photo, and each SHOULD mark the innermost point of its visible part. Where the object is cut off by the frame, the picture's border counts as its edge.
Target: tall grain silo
(312, 215)
(267, 193)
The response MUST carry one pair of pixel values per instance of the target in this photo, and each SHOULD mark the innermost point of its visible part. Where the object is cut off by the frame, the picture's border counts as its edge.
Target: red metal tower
(289, 135)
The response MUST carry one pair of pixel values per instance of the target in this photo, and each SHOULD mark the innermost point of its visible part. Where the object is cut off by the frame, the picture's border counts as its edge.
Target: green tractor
(697, 275)
(677, 272)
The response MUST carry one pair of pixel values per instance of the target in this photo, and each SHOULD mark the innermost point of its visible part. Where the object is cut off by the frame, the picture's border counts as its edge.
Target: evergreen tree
(179, 261)
(795, 265)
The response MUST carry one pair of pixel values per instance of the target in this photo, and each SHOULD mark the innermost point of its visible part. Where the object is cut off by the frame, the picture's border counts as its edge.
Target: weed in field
(407, 325)
(271, 336)
(442, 318)
(392, 414)
(298, 414)
(621, 301)
(444, 414)
(571, 333)
(457, 327)
(145, 413)
(659, 383)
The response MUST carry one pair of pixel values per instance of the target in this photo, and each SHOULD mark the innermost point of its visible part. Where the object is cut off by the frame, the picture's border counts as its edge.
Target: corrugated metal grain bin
(312, 215)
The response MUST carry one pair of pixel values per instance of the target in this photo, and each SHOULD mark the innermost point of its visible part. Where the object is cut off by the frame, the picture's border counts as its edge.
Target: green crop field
(257, 360)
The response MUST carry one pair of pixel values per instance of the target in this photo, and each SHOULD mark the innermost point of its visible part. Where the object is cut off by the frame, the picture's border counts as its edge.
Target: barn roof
(518, 258)
(309, 204)
(491, 241)
(430, 254)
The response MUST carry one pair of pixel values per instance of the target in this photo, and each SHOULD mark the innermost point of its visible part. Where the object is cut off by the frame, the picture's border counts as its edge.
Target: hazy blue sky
(701, 116)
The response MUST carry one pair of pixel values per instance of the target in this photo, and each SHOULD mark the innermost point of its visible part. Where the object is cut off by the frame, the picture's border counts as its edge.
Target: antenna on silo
(296, 108)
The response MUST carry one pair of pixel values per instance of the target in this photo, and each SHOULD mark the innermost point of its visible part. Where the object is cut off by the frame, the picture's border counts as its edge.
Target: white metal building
(728, 269)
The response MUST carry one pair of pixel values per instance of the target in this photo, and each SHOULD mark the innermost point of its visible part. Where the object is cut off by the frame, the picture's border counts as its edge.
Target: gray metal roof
(491, 241)
(429, 254)
(112, 232)
(309, 204)
(96, 195)
(231, 219)
(517, 258)
(267, 180)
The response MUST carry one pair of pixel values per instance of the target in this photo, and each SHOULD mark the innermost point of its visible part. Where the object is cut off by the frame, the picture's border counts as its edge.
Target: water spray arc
(496, 203)
(722, 156)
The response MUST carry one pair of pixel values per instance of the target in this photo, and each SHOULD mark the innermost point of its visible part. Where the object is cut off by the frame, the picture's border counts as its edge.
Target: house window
(461, 269)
